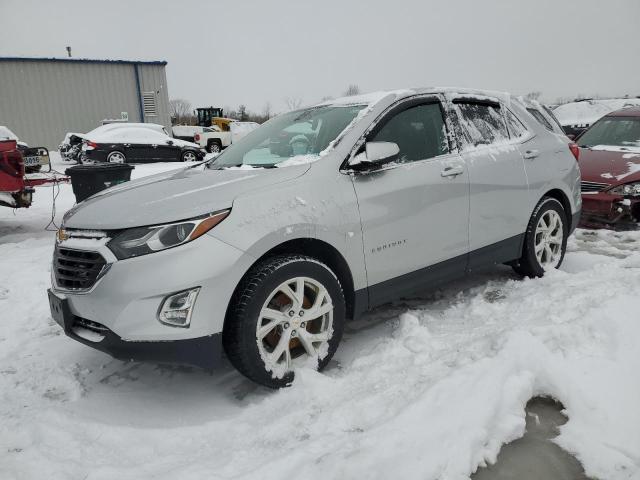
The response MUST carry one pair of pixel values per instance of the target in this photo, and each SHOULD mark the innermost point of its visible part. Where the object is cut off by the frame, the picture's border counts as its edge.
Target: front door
(414, 212)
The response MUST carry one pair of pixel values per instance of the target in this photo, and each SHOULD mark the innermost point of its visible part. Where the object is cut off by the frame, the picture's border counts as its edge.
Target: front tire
(288, 311)
(545, 241)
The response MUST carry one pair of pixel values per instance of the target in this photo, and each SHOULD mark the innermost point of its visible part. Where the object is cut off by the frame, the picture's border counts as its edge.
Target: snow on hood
(172, 196)
(587, 112)
(609, 164)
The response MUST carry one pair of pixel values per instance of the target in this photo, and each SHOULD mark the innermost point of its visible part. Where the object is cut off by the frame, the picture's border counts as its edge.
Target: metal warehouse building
(41, 99)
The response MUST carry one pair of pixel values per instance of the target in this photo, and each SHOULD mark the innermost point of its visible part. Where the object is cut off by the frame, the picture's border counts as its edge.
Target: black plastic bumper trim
(204, 352)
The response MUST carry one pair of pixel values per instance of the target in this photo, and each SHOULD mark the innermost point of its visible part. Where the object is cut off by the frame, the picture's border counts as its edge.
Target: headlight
(630, 189)
(143, 240)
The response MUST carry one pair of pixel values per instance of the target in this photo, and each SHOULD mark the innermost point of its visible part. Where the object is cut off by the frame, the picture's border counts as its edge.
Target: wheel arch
(563, 199)
(318, 249)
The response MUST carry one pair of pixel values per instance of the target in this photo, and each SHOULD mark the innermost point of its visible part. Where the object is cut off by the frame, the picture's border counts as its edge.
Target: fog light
(176, 309)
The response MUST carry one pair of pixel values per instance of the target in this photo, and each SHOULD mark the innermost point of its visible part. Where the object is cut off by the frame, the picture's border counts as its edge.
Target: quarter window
(482, 123)
(516, 127)
(419, 132)
(540, 118)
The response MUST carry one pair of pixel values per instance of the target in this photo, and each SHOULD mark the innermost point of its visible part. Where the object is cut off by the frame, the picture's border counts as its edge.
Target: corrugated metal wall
(43, 100)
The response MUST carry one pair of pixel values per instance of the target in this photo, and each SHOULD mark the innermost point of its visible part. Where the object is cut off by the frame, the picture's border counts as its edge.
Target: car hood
(612, 166)
(172, 196)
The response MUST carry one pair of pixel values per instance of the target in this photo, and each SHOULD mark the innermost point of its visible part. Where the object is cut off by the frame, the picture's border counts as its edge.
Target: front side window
(419, 132)
(482, 123)
(613, 131)
(294, 137)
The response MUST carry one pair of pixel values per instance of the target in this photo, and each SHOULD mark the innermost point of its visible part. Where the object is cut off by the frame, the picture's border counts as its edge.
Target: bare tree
(293, 103)
(242, 113)
(533, 95)
(326, 98)
(266, 111)
(352, 90)
(180, 110)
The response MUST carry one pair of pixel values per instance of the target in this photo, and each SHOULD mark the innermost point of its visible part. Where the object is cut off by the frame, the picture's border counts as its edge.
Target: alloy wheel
(549, 238)
(116, 157)
(189, 157)
(295, 324)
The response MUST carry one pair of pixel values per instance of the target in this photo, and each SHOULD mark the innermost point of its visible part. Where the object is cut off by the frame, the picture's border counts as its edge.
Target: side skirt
(438, 274)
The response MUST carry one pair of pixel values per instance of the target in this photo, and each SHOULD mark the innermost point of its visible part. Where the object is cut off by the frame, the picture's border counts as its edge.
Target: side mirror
(571, 136)
(169, 142)
(377, 153)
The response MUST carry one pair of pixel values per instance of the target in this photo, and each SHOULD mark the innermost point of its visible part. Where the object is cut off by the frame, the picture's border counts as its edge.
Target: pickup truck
(220, 138)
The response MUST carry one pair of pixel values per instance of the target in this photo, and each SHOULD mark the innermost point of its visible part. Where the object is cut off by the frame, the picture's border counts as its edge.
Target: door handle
(452, 171)
(529, 154)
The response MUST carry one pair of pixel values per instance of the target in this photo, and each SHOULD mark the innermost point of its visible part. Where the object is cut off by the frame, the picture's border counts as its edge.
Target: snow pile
(6, 134)
(586, 112)
(427, 388)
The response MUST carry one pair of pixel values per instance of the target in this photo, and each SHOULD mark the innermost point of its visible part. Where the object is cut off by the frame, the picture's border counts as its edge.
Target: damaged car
(610, 165)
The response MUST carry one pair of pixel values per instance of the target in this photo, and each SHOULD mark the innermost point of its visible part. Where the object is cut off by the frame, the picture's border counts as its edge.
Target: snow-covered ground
(427, 388)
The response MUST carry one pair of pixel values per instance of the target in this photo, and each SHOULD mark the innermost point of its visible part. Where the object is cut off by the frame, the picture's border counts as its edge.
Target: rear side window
(482, 123)
(516, 127)
(419, 132)
(541, 118)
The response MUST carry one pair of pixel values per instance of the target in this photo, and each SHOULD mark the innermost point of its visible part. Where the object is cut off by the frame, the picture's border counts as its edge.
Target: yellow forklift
(213, 116)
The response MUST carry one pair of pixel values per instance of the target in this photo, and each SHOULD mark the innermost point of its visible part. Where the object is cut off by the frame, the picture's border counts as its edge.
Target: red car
(610, 165)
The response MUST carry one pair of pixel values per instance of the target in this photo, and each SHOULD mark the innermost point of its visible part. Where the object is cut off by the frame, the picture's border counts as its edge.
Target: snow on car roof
(125, 125)
(135, 135)
(586, 112)
(450, 92)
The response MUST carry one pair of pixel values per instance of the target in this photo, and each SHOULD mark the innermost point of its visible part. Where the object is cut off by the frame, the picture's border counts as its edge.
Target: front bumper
(603, 210)
(128, 293)
(204, 352)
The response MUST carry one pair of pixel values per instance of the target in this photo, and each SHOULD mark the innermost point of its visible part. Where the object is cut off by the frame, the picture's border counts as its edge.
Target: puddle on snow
(535, 456)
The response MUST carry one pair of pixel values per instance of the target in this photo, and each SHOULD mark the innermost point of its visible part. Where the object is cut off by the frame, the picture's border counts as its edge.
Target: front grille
(593, 186)
(77, 269)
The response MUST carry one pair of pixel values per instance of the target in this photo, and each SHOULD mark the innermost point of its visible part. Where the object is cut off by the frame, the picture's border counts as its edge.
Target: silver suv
(264, 253)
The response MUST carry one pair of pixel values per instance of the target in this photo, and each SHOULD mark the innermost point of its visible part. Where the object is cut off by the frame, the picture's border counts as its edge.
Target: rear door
(499, 204)
(415, 211)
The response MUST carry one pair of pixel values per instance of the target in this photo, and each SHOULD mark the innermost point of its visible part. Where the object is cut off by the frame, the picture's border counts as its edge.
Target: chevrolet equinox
(263, 253)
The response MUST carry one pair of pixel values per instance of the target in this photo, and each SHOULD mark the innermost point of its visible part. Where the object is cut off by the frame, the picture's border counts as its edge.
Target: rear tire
(267, 349)
(545, 241)
(116, 157)
(189, 156)
(214, 146)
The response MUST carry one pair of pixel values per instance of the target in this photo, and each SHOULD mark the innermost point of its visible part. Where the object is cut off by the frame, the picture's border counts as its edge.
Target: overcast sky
(253, 51)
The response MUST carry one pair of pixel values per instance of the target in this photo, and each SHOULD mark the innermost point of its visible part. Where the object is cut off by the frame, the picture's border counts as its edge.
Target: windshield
(294, 137)
(616, 131)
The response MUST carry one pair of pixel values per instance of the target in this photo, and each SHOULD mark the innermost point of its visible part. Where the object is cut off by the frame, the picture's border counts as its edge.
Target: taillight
(92, 144)
(575, 150)
(196, 137)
